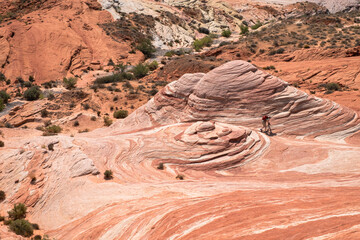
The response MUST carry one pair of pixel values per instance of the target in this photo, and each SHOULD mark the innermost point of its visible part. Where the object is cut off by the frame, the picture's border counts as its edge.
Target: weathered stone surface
(238, 183)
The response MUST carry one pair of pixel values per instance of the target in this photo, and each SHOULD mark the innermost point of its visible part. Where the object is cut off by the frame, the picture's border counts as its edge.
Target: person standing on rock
(266, 124)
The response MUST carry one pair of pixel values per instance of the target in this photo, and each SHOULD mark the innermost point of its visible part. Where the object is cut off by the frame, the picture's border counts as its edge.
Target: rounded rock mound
(239, 93)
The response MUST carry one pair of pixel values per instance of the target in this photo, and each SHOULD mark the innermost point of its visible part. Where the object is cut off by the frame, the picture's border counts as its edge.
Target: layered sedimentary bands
(301, 182)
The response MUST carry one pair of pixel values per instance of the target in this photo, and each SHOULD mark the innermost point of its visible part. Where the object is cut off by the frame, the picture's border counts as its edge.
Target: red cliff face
(58, 38)
(300, 182)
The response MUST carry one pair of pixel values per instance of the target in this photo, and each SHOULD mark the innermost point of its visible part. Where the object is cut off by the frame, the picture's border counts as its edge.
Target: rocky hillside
(192, 164)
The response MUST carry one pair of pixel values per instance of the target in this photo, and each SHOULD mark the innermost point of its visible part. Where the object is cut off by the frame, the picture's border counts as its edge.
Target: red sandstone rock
(238, 183)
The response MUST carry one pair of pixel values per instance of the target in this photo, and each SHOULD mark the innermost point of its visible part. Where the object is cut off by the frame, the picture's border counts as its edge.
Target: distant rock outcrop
(239, 93)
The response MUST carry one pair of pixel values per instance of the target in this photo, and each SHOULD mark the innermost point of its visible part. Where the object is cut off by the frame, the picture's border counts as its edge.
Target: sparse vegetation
(226, 33)
(108, 175)
(244, 29)
(107, 121)
(121, 114)
(140, 70)
(22, 227)
(153, 65)
(44, 113)
(146, 47)
(256, 26)
(180, 177)
(2, 144)
(4, 96)
(52, 130)
(18, 212)
(2, 195)
(203, 42)
(69, 83)
(32, 93)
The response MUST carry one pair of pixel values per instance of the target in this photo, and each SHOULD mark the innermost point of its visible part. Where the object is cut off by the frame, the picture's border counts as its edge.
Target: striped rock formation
(238, 183)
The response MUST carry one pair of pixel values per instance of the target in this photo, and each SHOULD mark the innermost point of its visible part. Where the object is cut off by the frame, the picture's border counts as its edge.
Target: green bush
(32, 93)
(22, 227)
(152, 66)
(121, 114)
(117, 77)
(2, 77)
(201, 43)
(2, 105)
(256, 26)
(108, 174)
(52, 130)
(18, 212)
(204, 30)
(107, 121)
(226, 33)
(2, 196)
(332, 86)
(4, 96)
(146, 48)
(69, 83)
(244, 29)
(140, 70)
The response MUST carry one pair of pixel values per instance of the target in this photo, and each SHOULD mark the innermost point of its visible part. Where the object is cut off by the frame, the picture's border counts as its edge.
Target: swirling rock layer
(238, 183)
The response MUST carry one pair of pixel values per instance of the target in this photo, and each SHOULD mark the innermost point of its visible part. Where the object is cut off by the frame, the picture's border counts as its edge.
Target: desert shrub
(201, 43)
(244, 29)
(152, 66)
(121, 114)
(86, 106)
(18, 212)
(4, 96)
(76, 123)
(170, 53)
(146, 48)
(52, 130)
(107, 121)
(2, 77)
(51, 147)
(108, 174)
(140, 70)
(69, 83)
(44, 113)
(180, 177)
(31, 79)
(153, 92)
(2, 144)
(226, 33)
(117, 77)
(93, 118)
(37, 237)
(27, 84)
(160, 166)
(2, 218)
(2, 196)
(271, 67)
(204, 30)
(2, 105)
(35, 226)
(33, 181)
(256, 26)
(22, 227)
(332, 86)
(32, 93)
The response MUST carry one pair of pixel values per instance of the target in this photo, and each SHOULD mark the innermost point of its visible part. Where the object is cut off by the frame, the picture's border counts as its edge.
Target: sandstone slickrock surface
(238, 183)
(58, 39)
